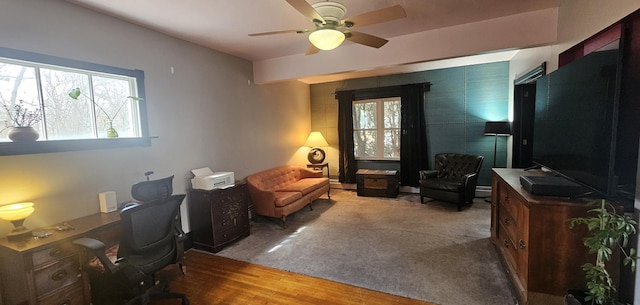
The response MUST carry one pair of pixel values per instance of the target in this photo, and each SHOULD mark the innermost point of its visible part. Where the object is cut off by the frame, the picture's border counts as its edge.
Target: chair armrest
(98, 249)
(428, 174)
(468, 178)
(180, 238)
(91, 244)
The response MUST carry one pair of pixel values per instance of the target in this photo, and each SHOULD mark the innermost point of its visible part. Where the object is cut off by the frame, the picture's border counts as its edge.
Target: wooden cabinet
(47, 270)
(541, 254)
(218, 217)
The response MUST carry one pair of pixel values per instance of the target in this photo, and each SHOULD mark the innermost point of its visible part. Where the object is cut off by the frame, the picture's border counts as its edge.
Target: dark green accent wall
(459, 103)
(461, 100)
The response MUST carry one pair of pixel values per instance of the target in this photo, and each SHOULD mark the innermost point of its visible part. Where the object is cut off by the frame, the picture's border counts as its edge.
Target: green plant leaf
(75, 93)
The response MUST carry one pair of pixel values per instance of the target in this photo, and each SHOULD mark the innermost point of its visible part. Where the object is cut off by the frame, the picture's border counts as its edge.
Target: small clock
(316, 155)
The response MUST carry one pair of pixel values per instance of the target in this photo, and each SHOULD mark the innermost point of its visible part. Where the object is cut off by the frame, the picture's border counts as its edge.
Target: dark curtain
(413, 142)
(347, 169)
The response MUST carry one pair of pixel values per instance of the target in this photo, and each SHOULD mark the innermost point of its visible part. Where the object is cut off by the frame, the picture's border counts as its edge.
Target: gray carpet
(428, 252)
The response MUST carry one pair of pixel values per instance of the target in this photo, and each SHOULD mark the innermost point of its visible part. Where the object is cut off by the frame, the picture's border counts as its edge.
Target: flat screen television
(576, 119)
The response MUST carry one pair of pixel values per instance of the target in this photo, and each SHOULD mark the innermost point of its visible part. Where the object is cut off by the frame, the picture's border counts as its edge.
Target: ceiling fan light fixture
(326, 39)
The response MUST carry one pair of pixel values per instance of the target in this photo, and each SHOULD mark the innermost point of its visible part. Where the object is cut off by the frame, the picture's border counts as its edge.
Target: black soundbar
(550, 186)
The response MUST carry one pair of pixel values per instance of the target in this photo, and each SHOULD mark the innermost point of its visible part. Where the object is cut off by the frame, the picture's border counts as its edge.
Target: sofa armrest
(428, 174)
(310, 173)
(263, 200)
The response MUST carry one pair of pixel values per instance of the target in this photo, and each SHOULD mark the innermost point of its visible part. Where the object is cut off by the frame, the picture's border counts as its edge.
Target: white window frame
(380, 129)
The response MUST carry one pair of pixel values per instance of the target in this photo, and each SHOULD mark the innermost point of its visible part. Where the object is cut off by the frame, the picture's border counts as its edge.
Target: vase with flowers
(110, 116)
(21, 120)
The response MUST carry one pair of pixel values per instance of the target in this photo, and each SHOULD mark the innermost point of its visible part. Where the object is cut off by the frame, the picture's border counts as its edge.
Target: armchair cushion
(445, 184)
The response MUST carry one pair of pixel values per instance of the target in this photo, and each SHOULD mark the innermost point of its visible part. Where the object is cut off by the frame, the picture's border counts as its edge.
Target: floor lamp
(496, 129)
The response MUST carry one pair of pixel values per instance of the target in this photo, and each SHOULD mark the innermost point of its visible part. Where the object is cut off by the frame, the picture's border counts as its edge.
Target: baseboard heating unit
(550, 186)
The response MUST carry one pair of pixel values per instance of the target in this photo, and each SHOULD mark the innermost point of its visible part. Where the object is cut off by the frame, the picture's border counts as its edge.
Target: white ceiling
(224, 25)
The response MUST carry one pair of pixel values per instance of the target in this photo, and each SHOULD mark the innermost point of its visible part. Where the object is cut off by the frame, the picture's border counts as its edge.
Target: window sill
(40, 147)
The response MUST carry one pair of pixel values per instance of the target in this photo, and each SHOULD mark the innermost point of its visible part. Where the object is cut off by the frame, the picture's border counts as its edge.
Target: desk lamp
(316, 155)
(16, 213)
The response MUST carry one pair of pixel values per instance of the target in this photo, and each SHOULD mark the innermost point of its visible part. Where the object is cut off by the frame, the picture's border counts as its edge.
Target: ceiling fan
(331, 30)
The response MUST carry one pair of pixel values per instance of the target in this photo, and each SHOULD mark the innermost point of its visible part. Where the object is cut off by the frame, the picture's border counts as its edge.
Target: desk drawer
(72, 295)
(53, 253)
(509, 201)
(508, 247)
(63, 273)
(509, 222)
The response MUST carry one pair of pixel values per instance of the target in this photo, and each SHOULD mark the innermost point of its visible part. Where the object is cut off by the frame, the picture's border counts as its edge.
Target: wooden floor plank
(212, 279)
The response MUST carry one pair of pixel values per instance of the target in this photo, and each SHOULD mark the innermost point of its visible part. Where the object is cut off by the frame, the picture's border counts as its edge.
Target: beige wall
(205, 114)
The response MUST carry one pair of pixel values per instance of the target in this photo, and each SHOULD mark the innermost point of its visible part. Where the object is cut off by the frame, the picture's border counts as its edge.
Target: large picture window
(108, 101)
(376, 129)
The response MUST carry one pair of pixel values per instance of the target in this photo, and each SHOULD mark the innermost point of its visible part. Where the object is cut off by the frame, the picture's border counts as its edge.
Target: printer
(205, 179)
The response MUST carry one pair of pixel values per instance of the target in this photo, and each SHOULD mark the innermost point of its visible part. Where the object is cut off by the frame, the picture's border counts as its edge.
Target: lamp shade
(315, 139)
(16, 211)
(326, 39)
(497, 128)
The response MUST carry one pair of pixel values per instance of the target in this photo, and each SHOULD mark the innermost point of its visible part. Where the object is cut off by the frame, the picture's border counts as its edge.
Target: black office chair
(148, 244)
(152, 189)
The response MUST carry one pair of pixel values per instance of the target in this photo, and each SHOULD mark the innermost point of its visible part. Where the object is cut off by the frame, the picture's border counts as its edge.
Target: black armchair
(454, 178)
(148, 244)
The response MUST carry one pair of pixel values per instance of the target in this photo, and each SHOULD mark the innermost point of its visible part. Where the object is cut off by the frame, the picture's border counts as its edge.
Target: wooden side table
(319, 167)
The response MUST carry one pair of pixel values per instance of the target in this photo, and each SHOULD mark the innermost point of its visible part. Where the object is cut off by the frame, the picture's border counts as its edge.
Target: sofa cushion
(285, 198)
(305, 186)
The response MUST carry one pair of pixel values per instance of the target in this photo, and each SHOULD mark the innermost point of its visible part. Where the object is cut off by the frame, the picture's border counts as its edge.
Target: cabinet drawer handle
(522, 245)
(506, 243)
(506, 221)
(59, 275)
(65, 302)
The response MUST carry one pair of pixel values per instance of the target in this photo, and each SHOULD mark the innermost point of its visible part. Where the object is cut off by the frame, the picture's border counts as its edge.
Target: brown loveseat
(283, 190)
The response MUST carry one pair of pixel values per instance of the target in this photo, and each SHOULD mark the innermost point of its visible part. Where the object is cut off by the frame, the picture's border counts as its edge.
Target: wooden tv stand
(539, 251)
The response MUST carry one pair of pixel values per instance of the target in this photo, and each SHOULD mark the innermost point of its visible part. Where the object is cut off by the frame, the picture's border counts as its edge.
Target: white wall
(205, 114)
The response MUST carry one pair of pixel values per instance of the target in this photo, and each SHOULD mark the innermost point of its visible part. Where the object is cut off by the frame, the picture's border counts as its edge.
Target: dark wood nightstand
(219, 217)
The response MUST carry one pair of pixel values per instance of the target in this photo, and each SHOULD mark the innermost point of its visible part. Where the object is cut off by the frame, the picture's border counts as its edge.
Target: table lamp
(316, 155)
(16, 213)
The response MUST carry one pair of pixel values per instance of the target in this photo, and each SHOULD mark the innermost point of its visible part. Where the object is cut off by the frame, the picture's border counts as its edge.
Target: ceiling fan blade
(378, 16)
(306, 9)
(366, 39)
(312, 50)
(279, 32)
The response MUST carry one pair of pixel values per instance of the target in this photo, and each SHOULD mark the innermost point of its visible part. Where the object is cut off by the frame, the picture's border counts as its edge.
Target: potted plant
(610, 231)
(111, 132)
(21, 121)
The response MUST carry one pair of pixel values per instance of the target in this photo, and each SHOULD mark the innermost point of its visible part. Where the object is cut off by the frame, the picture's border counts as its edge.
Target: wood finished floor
(212, 279)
